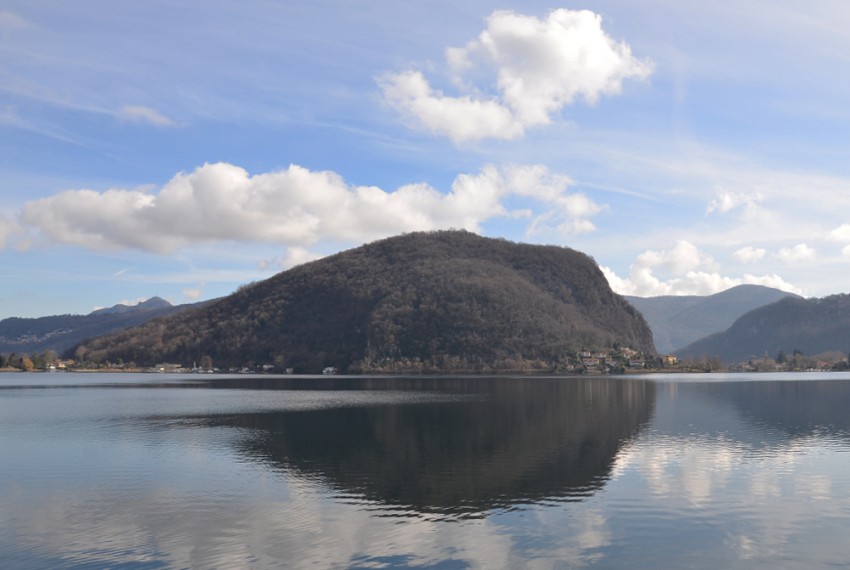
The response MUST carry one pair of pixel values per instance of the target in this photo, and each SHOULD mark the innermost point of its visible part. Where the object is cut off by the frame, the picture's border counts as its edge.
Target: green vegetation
(788, 330)
(442, 301)
(28, 362)
(60, 332)
(677, 321)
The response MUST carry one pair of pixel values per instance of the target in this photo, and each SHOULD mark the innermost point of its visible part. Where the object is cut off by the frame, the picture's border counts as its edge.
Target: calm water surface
(161, 471)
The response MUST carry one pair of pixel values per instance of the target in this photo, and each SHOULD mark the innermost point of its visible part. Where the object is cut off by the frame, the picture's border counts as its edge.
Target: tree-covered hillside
(437, 301)
(678, 321)
(811, 326)
(59, 332)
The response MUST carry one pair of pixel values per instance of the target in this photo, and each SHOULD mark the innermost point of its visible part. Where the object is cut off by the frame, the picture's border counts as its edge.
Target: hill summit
(791, 325)
(677, 321)
(439, 301)
(59, 332)
(152, 304)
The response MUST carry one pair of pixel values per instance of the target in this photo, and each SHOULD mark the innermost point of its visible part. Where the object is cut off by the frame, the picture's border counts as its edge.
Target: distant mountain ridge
(439, 301)
(60, 332)
(811, 326)
(677, 321)
(154, 303)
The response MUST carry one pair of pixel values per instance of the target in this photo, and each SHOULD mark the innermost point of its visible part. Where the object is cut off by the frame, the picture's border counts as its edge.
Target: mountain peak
(811, 326)
(146, 305)
(679, 321)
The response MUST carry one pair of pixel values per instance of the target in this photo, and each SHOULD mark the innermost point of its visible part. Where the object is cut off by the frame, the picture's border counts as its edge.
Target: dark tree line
(789, 330)
(28, 362)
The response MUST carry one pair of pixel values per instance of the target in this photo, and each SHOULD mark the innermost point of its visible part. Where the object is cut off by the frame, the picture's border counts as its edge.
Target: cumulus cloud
(460, 118)
(684, 257)
(541, 66)
(296, 207)
(799, 253)
(142, 114)
(749, 254)
(725, 201)
(686, 271)
(841, 234)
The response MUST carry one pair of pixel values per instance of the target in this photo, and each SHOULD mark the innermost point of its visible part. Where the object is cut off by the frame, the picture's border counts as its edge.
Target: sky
(184, 149)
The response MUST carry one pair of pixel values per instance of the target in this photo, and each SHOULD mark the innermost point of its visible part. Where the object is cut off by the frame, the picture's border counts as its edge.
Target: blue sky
(183, 149)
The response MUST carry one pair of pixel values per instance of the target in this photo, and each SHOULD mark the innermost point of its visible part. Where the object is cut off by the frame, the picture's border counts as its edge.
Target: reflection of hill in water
(516, 441)
(794, 408)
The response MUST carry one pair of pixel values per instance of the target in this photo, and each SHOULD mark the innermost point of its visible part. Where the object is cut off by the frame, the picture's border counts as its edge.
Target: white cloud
(565, 214)
(798, 253)
(125, 302)
(692, 283)
(298, 256)
(541, 66)
(193, 294)
(684, 257)
(725, 201)
(544, 65)
(8, 228)
(294, 255)
(749, 254)
(296, 207)
(568, 217)
(459, 118)
(686, 271)
(772, 280)
(142, 114)
(840, 234)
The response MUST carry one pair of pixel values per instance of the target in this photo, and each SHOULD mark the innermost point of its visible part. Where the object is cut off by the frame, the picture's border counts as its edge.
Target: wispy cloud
(7, 229)
(725, 201)
(142, 114)
(10, 20)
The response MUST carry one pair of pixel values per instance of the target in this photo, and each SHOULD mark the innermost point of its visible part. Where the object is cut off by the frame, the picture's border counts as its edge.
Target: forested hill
(441, 301)
(811, 326)
(678, 321)
(60, 332)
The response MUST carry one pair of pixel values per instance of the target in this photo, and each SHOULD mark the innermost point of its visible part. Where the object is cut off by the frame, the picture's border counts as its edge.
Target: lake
(178, 471)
